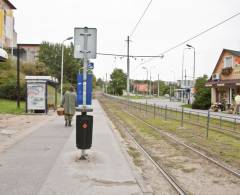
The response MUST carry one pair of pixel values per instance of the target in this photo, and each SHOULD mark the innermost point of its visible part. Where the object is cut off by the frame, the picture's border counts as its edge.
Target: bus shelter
(41, 93)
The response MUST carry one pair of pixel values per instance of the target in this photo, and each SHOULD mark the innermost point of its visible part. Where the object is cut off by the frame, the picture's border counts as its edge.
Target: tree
(202, 94)
(100, 82)
(51, 54)
(163, 89)
(94, 81)
(8, 80)
(36, 68)
(118, 82)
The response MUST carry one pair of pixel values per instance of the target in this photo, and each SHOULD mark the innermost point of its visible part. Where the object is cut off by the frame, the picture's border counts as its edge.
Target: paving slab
(106, 170)
(25, 166)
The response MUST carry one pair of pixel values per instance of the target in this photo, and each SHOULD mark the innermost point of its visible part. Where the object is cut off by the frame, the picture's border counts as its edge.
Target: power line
(131, 56)
(191, 38)
(135, 27)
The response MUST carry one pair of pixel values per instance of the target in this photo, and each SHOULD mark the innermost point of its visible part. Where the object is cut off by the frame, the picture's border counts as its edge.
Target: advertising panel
(36, 96)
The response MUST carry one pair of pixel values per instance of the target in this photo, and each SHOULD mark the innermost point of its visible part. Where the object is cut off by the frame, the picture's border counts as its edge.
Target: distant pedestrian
(237, 103)
(69, 104)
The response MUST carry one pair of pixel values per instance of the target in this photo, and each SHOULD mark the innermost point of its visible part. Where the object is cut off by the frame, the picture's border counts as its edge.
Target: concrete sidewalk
(105, 172)
(47, 162)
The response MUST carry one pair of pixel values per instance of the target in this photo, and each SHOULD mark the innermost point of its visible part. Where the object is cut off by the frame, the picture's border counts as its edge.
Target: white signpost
(85, 44)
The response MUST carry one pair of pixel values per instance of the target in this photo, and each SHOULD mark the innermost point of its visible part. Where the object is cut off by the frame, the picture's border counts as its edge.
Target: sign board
(80, 89)
(36, 96)
(90, 65)
(91, 43)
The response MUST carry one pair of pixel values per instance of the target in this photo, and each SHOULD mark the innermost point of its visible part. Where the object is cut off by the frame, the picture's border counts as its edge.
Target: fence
(207, 120)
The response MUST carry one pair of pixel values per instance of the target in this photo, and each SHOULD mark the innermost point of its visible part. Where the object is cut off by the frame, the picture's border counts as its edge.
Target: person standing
(69, 102)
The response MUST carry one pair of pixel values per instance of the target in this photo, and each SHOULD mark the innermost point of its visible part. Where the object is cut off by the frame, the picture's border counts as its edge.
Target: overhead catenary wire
(132, 56)
(143, 14)
(191, 38)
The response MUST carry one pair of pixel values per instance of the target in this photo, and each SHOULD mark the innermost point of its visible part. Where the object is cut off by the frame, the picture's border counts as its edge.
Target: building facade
(225, 79)
(28, 52)
(141, 88)
(8, 36)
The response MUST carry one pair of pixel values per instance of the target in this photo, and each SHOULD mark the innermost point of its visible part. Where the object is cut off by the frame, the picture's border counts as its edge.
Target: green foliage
(51, 54)
(8, 81)
(202, 95)
(37, 68)
(163, 88)
(94, 81)
(6, 65)
(118, 82)
(100, 82)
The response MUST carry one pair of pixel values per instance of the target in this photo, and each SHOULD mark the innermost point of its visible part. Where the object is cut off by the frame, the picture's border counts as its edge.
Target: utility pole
(158, 85)
(185, 82)
(106, 83)
(150, 86)
(18, 76)
(128, 64)
(170, 91)
(103, 85)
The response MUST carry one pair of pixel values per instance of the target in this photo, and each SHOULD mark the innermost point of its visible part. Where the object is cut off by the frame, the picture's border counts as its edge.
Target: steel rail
(187, 146)
(165, 174)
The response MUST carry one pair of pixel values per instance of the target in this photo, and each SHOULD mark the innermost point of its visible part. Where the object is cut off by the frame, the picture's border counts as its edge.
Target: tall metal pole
(106, 83)
(85, 62)
(62, 72)
(150, 85)
(69, 38)
(194, 58)
(182, 71)
(18, 76)
(158, 85)
(128, 64)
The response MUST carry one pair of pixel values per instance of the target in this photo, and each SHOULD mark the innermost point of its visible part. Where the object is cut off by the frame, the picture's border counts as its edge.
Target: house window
(228, 61)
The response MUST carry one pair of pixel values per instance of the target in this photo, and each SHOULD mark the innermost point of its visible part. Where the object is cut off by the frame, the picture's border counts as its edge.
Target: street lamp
(182, 70)
(194, 50)
(147, 75)
(151, 80)
(69, 38)
(162, 56)
(172, 85)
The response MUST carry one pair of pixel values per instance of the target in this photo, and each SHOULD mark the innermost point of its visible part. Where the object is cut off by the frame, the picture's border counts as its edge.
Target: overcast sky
(166, 23)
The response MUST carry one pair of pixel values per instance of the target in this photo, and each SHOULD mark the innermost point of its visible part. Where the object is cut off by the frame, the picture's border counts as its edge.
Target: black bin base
(84, 130)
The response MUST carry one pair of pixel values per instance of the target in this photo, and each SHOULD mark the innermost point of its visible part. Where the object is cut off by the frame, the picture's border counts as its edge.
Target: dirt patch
(15, 127)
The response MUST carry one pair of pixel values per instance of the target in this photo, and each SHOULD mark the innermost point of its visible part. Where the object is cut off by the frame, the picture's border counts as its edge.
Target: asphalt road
(175, 104)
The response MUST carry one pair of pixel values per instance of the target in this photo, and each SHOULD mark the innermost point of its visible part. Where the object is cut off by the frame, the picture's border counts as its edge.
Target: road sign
(85, 37)
(90, 65)
(80, 89)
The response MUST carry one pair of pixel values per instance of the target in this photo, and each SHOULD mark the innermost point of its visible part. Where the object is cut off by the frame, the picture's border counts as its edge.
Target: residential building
(141, 88)
(225, 79)
(28, 52)
(8, 36)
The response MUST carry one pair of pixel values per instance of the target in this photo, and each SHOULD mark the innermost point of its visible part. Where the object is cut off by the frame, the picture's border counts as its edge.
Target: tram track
(172, 177)
(235, 173)
(167, 176)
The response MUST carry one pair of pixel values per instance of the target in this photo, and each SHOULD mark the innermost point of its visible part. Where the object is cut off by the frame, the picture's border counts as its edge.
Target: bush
(202, 95)
(8, 82)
